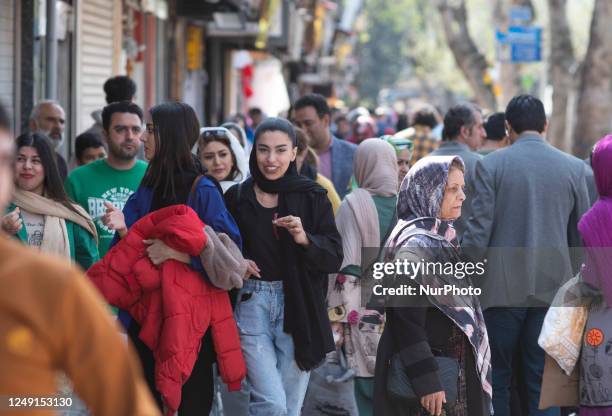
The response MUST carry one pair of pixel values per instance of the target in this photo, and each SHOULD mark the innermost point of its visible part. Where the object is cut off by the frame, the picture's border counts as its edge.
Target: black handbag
(400, 387)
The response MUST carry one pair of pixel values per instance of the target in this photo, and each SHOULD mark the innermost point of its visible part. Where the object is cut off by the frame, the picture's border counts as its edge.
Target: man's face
(52, 121)
(317, 128)
(6, 168)
(123, 136)
(476, 135)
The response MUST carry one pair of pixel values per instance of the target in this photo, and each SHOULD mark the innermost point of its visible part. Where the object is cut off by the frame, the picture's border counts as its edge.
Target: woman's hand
(11, 222)
(294, 226)
(114, 219)
(252, 269)
(159, 252)
(433, 402)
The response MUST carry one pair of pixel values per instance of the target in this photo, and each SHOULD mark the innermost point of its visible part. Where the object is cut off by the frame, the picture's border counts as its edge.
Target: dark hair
(119, 107)
(402, 122)
(276, 124)
(4, 119)
(85, 141)
(176, 130)
(255, 111)
(53, 186)
(495, 126)
(526, 112)
(302, 142)
(425, 116)
(317, 101)
(221, 138)
(461, 115)
(119, 88)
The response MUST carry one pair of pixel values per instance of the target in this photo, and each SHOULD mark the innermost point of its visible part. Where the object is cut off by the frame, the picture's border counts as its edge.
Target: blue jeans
(276, 385)
(511, 328)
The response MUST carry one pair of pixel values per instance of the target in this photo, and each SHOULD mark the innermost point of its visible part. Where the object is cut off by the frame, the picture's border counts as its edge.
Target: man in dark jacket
(529, 198)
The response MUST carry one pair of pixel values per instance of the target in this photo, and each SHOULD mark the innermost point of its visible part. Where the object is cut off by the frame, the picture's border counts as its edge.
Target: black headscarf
(305, 317)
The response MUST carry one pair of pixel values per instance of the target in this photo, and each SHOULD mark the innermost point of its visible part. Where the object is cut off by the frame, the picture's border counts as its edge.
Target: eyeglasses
(218, 133)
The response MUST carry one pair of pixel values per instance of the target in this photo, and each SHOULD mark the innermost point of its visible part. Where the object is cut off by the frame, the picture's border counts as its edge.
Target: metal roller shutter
(7, 36)
(95, 57)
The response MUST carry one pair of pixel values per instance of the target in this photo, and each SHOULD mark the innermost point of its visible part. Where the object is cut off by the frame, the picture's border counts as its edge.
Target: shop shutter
(95, 58)
(7, 36)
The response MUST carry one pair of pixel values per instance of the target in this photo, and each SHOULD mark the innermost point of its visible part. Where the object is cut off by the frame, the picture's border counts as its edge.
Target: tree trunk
(469, 59)
(594, 115)
(561, 64)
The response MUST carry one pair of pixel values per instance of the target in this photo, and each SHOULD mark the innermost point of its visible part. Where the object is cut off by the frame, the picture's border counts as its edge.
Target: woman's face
(403, 164)
(29, 170)
(217, 158)
(148, 137)
(274, 153)
(454, 195)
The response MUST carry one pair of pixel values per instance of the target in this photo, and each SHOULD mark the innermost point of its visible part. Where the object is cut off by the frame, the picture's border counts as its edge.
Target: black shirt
(265, 249)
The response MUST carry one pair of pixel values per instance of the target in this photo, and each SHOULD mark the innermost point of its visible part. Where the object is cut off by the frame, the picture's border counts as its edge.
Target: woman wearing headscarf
(174, 176)
(291, 241)
(364, 220)
(596, 230)
(222, 155)
(427, 325)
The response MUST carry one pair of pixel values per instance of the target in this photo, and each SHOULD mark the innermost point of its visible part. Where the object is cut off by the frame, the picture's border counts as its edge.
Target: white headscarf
(242, 165)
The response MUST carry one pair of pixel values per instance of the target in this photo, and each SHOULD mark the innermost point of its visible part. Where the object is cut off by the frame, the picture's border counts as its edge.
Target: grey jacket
(450, 148)
(342, 153)
(529, 199)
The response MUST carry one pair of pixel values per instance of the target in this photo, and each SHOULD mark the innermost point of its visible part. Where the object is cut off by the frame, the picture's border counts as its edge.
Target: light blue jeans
(276, 385)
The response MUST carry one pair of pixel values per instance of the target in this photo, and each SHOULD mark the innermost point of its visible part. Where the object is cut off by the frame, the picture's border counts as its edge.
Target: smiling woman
(292, 244)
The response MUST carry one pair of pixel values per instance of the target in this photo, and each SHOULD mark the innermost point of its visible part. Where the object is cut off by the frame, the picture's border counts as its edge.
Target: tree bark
(594, 115)
(469, 59)
(561, 64)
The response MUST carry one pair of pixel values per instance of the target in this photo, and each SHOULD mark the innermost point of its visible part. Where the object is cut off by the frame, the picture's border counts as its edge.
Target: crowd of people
(240, 253)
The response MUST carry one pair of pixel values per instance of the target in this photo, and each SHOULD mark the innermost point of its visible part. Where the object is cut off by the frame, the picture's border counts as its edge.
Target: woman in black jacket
(291, 241)
(423, 326)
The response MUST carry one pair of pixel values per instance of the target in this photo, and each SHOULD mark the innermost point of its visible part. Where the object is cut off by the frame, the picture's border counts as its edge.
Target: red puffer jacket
(173, 304)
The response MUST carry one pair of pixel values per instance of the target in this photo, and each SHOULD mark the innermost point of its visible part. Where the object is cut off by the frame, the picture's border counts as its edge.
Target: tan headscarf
(55, 234)
(375, 170)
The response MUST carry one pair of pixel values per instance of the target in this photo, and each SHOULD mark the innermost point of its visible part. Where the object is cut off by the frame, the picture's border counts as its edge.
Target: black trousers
(197, 393)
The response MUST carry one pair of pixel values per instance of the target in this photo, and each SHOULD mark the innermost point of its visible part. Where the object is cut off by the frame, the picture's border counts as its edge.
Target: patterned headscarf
(422, 192)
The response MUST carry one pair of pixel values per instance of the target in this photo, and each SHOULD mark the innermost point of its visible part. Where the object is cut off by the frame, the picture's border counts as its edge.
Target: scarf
(55, 233)
(375, 172)
(594, 226)
(418, 206)
(293, 194)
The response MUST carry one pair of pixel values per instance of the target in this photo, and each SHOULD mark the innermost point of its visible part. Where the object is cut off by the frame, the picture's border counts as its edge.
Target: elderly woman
(430, 325)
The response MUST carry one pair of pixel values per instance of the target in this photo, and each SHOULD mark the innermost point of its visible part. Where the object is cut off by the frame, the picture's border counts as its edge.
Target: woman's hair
(53, 186)
(223, 139)
(85, 141)
(276, 124)
(303, 144)
(176, 130)
(456, 164)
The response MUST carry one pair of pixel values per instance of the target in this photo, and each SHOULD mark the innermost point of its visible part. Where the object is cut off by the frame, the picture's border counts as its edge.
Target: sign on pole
(520, 44)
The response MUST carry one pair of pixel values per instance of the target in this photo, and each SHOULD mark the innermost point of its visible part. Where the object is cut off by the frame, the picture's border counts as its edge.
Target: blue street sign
(520, 14)
(520, 44)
